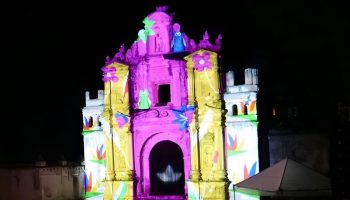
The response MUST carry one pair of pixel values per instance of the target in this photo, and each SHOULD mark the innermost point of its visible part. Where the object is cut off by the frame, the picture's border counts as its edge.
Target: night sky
(53, 53)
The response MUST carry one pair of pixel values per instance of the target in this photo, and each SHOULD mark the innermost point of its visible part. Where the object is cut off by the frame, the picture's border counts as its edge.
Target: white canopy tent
(286, 178)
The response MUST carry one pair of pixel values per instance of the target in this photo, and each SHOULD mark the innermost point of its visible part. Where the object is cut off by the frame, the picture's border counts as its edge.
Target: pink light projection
(163, 121)
(109, 74)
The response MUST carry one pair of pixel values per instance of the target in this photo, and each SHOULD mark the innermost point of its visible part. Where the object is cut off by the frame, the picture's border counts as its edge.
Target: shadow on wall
(309, 149)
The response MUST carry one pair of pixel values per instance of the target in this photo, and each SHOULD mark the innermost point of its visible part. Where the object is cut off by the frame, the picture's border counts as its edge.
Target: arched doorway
(166, 169)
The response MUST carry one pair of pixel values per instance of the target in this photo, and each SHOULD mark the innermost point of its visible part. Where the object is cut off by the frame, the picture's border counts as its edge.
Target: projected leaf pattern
(241, 148)
(241, 152)
(101, 153)
(251, 106)
(148, 26)
(252, 171)
(87, 182)
(121, 119)
(234, 146)
(144, 33)
(90, 190)
(88, 124)
(184, 117)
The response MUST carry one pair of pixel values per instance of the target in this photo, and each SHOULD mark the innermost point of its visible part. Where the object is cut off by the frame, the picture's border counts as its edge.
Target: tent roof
(286, 177)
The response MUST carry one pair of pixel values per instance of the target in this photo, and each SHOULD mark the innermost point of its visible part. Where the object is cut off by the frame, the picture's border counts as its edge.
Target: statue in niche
(178, 42)
(144, 101)
(159, 40)
(208, 162)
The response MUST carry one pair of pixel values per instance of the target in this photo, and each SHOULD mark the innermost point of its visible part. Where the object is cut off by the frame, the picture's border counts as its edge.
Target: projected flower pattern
(109, 74)
(202, 62)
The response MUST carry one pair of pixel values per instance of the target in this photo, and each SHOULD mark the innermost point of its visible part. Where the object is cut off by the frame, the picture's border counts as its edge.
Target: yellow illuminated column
(118, 183)
(195, 175)
(209, 117)
(108, 131)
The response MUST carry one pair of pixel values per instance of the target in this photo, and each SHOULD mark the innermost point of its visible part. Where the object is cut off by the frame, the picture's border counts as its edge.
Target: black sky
(52, 53)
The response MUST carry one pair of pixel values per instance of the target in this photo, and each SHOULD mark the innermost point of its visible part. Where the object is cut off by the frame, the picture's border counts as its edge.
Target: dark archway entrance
(167, 169)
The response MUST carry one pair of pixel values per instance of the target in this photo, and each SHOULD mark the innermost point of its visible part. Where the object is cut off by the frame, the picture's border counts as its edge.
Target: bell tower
(208, 174)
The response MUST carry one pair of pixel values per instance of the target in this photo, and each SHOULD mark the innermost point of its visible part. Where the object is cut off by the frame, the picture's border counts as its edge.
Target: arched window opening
(234, 110)
(245, 110)
(99, 122)
(91, 122)
(164, 96)
(167, 169)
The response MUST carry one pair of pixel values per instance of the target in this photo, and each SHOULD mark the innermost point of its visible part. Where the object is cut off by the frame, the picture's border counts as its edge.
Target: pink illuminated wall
(153, 119)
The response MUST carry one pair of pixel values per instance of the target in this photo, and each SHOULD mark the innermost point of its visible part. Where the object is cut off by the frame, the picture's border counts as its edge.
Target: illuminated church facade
(165, 126)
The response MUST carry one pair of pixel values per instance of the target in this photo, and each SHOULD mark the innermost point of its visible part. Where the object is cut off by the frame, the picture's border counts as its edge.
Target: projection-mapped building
(160, 130)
